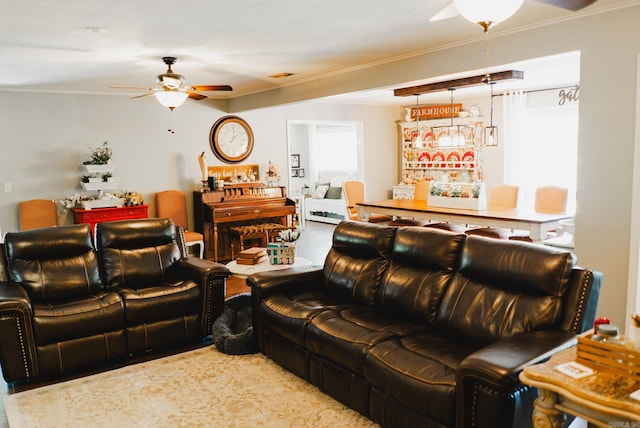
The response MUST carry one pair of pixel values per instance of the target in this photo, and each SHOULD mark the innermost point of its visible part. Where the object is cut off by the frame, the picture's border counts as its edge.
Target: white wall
(45, 138)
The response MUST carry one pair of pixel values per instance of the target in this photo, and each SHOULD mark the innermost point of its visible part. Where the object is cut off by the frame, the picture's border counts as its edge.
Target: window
(328, 152)
(542, 140)
(336, 148)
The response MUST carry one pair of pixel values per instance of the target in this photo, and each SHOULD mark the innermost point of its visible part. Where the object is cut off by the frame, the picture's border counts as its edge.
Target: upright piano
(238, 204)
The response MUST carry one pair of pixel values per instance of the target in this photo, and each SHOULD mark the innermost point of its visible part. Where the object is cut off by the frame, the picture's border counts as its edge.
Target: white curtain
(514, 106)
(541, 142)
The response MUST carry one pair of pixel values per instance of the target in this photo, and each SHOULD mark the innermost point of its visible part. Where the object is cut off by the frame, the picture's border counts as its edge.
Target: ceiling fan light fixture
(487, 13)
(170, 80)
(171, 98)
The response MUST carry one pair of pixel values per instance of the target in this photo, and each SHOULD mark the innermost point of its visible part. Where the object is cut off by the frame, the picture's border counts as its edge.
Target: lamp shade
(171, 98)
(487, 13)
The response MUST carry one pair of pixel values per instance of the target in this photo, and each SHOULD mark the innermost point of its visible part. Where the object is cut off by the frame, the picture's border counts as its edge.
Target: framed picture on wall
(301, 173)
(295, 161)
(294, 173)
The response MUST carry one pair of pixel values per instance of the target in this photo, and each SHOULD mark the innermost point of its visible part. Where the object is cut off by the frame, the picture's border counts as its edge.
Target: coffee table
(246, 270)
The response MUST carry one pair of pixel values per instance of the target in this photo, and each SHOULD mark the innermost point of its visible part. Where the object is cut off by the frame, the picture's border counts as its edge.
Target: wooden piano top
(243, 191)
(221, 210)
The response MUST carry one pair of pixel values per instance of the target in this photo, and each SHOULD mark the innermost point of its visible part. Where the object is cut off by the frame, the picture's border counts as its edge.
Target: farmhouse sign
(439, 111)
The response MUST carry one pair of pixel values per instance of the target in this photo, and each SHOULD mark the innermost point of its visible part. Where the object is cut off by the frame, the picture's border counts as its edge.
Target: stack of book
(252, 256)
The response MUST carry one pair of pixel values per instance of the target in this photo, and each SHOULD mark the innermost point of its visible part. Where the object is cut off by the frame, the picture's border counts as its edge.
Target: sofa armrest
(18, 355)
(212, 278)
(296, 279)
(13, 294)
(487, 383)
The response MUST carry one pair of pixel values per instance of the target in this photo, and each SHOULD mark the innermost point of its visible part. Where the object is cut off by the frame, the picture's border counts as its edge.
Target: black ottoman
(233, 330)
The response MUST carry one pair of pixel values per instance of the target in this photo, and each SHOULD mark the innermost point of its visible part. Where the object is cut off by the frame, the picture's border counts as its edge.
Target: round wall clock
(231, 139)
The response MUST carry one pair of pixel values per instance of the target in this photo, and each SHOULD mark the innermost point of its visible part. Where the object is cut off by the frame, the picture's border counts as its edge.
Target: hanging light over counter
(453, 135)
(491, 131)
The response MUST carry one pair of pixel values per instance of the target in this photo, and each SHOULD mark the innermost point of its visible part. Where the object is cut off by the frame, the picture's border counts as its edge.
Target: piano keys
(238, 204)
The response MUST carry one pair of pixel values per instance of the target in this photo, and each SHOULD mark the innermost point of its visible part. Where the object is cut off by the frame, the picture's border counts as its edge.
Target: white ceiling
(84, 46)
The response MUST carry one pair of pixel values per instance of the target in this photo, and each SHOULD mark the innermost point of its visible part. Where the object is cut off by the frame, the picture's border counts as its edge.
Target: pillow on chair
(320, 192)
(334, 193)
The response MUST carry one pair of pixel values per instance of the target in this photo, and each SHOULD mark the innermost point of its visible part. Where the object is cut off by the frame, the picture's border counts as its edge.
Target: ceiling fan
(171, 90)
(450, 10)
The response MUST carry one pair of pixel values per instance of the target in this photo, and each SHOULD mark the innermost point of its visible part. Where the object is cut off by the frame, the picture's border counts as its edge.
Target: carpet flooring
(198, 388)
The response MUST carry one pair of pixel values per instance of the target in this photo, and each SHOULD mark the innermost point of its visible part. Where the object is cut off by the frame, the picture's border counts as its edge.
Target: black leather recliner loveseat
(417, 327)
(68, 307)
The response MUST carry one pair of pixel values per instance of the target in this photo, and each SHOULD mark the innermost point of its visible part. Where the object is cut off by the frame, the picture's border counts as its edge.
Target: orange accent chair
(501, 197)
(354, 194)
(172, 204)
(550, 200)
(37, 213)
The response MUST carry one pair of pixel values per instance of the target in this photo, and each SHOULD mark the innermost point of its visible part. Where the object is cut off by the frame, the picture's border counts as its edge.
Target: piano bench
(265, 232)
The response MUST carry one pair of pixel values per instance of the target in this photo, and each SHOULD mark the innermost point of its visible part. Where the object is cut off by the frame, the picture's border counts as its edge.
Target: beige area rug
(200, 388)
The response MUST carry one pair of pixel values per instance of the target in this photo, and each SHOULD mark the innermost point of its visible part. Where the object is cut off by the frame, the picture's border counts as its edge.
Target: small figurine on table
(202, 160)
(272, 175)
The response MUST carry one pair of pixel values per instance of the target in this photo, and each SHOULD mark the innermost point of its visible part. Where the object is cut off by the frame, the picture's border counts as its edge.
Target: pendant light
(487, 13)
(417, 140)
(491, 131)
(453, 135)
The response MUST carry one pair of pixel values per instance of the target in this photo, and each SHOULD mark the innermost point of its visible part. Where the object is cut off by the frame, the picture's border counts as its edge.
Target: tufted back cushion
(137, 253)
(357, 261)
(504, 288)
(423, 263)
(55, 263)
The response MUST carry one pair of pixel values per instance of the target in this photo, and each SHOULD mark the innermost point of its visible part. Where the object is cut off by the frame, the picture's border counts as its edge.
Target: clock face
(231, 139)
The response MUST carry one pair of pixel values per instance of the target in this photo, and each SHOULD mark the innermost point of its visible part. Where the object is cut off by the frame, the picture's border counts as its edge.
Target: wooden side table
(602, 399)
(99, 215)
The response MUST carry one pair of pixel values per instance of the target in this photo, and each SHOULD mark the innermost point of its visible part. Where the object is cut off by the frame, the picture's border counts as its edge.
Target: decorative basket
(281, 254)
(608, 357)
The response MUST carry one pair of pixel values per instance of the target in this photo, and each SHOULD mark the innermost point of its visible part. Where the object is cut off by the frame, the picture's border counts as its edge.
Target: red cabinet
(98, 215)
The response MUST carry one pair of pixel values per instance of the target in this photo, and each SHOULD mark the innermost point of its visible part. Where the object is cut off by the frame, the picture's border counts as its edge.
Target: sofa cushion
(320, 192)
(94, 314)
(290, 315)
(418, 370)
(333, 193)
(54, 264)
(357, 261)
(504, 288)
(137, 253)
(157, 302)
(345, 336)
(423, 263)
(161, 315)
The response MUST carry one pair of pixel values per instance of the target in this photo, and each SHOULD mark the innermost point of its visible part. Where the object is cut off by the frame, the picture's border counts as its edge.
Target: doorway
(323, 152)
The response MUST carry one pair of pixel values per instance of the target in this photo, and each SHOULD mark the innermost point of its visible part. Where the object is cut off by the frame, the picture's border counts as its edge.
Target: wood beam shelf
(480, 79)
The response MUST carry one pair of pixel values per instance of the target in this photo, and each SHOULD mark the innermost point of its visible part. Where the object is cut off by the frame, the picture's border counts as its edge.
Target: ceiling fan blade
(568, 4)
(211, 88)
(143, 95)
(447, 12)
(196, 96)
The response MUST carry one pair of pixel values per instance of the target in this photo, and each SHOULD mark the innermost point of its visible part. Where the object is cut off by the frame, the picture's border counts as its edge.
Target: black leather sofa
(418, 327)
(67, 306)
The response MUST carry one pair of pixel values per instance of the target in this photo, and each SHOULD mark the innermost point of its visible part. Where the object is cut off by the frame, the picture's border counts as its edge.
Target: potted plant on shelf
(100, 155)
(99, 159)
